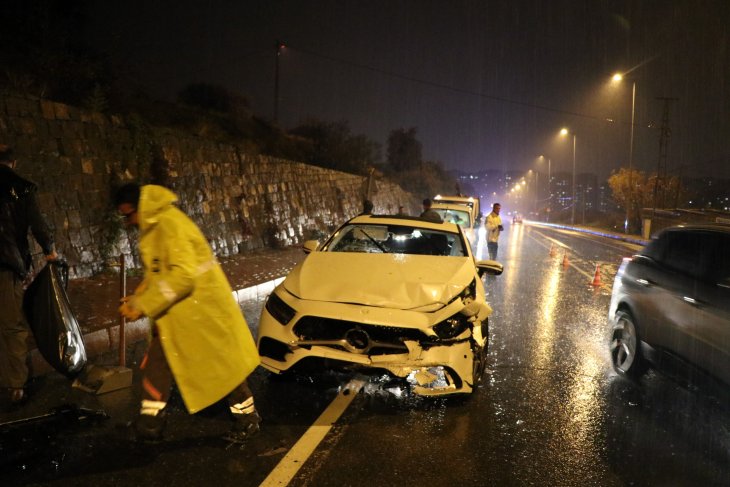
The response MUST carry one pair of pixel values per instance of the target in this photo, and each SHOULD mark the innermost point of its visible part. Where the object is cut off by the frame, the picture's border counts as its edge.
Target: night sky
(488, 84)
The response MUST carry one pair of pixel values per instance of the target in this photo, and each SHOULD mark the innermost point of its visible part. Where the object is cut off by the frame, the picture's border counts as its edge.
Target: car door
(674, 281)
(712, 307)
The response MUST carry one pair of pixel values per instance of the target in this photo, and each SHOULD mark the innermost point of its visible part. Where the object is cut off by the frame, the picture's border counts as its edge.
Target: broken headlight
(451, 327)
(468, 293)
(282, 312)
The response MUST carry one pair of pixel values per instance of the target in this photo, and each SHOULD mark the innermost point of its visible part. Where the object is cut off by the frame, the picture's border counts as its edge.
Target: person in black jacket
(18, 213)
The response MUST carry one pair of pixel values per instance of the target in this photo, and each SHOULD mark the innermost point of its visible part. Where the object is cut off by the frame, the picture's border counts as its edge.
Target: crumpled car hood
(384, 280)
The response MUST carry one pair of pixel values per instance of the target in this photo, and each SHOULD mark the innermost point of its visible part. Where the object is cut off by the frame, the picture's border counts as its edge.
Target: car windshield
(396, 239)
(460, 217)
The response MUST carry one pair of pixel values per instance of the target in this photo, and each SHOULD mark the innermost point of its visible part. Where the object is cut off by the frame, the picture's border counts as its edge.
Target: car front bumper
(432, 367)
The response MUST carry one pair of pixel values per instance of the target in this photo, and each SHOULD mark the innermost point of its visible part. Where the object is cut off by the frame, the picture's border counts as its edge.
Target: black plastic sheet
(56, 331)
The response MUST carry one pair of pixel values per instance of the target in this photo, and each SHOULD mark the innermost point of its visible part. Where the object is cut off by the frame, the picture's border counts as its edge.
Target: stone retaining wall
(241, 201)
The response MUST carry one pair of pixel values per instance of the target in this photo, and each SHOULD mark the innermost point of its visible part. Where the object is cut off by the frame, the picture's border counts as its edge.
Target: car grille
(354, 337)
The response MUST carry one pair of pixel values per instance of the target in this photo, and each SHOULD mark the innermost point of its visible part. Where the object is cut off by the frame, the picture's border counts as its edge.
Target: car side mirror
(310, 246)
(491, 267)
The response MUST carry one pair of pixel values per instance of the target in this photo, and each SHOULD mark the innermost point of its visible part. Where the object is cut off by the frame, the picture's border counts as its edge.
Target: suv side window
(719, 268)
(655, 249)
(684, 252)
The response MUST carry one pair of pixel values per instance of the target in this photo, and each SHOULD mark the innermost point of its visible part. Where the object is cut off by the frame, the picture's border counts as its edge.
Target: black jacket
(19, 212)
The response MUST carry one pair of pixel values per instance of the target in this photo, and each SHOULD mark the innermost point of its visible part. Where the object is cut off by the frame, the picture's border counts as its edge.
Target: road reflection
(511, 259)
(545, 339)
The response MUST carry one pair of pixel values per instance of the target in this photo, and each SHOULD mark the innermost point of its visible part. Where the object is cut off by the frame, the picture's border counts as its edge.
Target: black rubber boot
(244, 427)
(149, 428)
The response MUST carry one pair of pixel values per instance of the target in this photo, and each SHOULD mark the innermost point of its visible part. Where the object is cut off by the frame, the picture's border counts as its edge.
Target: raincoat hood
(153, 200)
(383, 280)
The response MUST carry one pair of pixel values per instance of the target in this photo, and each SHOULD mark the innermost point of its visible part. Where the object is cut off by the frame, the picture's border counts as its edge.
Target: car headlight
(451, 327)
(470, 291)
(282, 312)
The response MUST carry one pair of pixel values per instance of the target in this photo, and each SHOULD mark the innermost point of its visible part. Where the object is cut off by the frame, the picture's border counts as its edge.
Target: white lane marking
(288, 467)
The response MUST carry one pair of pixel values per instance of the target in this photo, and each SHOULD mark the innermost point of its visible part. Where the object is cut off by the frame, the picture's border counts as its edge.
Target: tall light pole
(279, 46)
(565, 132)
(536, 190)
(630, 200)
(550, 192)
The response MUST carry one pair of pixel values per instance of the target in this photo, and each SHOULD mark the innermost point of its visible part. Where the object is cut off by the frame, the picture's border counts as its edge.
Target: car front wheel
(479, 365)
(625, 347)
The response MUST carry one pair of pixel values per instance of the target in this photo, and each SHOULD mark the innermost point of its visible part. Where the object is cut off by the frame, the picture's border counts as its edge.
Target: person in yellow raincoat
(199, 335)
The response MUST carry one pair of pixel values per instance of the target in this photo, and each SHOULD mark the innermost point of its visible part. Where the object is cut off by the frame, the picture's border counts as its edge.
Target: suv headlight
(282, 312)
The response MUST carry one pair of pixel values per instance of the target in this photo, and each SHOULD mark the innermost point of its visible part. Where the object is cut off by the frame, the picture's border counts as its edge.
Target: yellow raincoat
(203, 333)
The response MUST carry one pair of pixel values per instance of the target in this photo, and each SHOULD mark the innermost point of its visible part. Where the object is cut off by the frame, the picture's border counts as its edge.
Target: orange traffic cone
(552, 250)
(566, 263)
(597, 276)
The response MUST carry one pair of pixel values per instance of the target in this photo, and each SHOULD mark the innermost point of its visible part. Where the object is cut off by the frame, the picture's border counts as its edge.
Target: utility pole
(679, 185)
(279, 46)
(631, 158)
(661, 171)
(572, 210)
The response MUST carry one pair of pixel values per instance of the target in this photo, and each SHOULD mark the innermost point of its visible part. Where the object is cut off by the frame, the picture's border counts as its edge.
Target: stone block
(61, 111)
(73, 236)
(85, 236)
(12, 106)
(54, 130)
(87, 257)
(27, 126)
(87, 165)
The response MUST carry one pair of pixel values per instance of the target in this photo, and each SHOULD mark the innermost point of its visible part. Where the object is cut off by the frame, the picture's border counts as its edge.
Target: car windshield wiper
(382, 249)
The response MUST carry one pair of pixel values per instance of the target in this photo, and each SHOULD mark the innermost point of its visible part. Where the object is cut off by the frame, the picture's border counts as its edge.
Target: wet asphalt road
(551, 412)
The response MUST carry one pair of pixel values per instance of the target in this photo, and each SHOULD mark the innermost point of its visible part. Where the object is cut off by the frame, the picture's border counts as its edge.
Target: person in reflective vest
(494, 227)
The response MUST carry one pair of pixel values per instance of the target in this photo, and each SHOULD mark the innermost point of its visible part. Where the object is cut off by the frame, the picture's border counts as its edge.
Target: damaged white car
(385, 293)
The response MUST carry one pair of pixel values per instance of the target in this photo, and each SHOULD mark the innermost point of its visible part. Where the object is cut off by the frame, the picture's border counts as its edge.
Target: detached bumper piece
(430, 381)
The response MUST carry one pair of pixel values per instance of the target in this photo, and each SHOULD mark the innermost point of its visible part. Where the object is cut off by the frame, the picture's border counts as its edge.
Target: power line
(454, 89)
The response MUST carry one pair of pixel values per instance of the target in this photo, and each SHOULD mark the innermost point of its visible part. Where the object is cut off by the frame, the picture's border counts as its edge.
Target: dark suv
(674, 297)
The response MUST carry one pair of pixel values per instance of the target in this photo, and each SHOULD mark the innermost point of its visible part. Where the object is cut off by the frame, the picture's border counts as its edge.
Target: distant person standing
(430, 214)
(494, 227)
(18, 213)
(200, 338)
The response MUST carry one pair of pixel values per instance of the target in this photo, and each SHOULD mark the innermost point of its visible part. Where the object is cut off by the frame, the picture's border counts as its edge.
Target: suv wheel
(625, 347)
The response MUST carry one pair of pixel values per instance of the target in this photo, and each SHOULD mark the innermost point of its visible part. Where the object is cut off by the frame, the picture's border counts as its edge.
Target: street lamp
(550, 193)
(618, 77)
(564, 132)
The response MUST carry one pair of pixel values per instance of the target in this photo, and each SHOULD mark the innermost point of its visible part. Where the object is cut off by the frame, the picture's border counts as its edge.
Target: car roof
(711, 227)
(404, 220)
